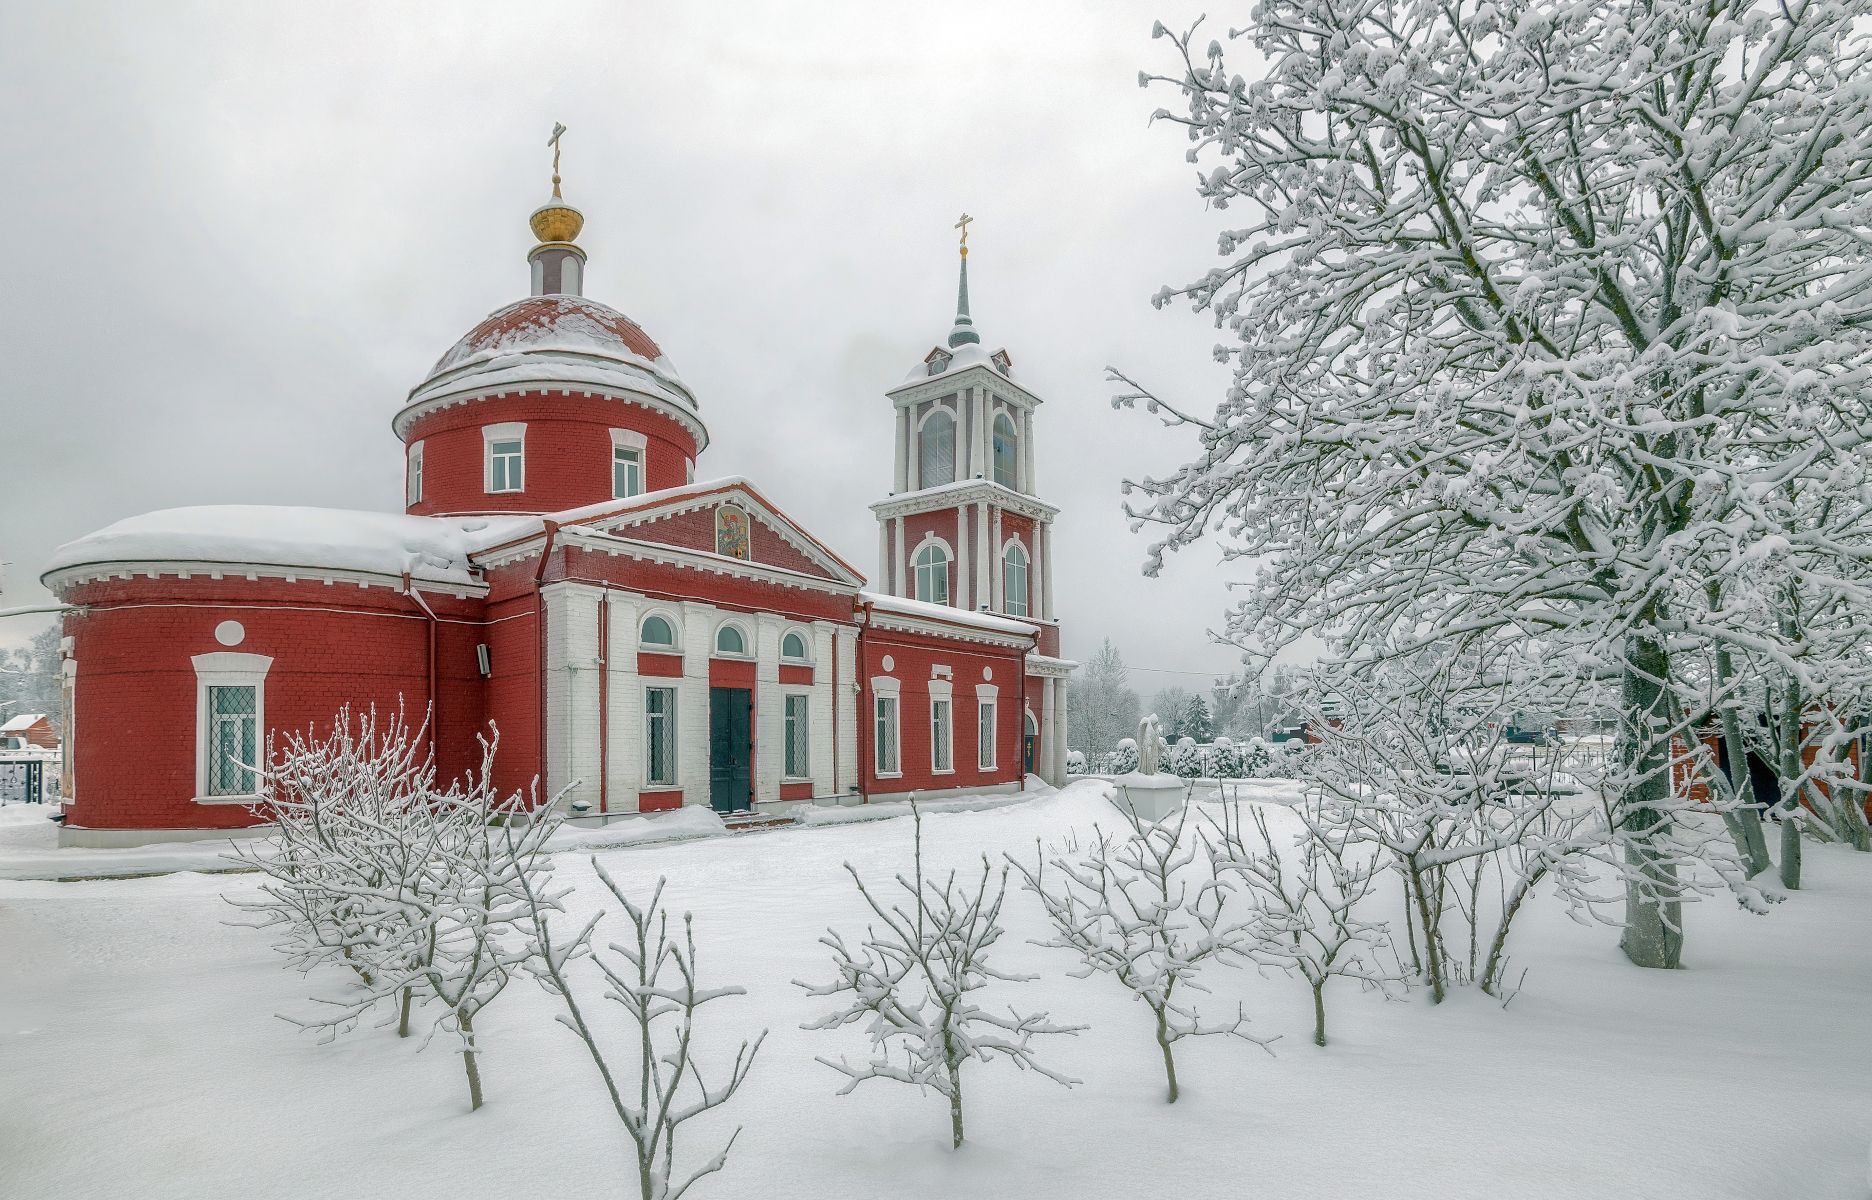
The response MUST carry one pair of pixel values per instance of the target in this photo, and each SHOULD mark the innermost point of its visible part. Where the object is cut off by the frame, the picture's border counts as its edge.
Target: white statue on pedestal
(1148, 739)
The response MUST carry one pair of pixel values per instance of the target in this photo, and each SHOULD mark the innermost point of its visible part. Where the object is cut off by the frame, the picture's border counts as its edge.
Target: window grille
(886, 742)
(798, 738)
(233, 740)
(941, 758)
(660, 735)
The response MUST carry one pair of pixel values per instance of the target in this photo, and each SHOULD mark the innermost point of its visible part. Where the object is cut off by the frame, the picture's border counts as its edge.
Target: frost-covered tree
(1309, 900)
(913, 982)
(1139, 907)
(1102, 708)
(1169, 705)
(1194, 721)
(31, 678)
(654, 979)
(1547, 322)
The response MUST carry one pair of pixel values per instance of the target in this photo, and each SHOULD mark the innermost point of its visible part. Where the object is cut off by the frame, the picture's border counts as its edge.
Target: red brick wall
(695, 530)
(913, 657)
(568, 452)
(134, 753)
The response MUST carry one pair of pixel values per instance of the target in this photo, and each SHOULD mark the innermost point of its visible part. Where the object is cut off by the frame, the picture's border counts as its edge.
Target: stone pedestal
(1151, 797)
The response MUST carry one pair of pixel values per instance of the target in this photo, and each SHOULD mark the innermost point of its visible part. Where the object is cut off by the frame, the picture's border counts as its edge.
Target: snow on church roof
(905, 606)
(555, 338)
(969, 354)
(430, 549)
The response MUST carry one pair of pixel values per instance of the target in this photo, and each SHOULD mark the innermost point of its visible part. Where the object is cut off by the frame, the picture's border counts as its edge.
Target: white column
(845, 684)
(1050, 727)
(1036, 570)
(1027, 454)
(982, 583)
(823, 718)
(1046, 577)
(769, 709)
(984, 433)
(692, 704)
(998, 601)
(913, 458)
(962, 556)
(884, 561)
(898, 585)
(572, 682)
(1060, 735)
(624, 704)
(968, 433)
(902, 473)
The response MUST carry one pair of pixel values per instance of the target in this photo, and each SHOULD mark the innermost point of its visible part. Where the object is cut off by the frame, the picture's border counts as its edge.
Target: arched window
(657, 631)
(730, 640)
(1014, 581)
(793, 646)
(932, 574)
(936, 450)
(1006, 447)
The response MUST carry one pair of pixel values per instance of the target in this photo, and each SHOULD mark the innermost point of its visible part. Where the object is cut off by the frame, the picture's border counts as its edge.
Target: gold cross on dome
(963, 225)
(553, 141)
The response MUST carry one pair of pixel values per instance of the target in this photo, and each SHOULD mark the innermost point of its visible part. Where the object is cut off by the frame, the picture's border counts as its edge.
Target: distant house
(29, 729)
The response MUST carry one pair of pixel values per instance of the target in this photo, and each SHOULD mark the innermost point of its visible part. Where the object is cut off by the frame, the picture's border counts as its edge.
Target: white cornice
(408, 415)
(898, 623)
(701, 560)
(57, 581)
(1050, 668)
(972, 491)
(974, 375)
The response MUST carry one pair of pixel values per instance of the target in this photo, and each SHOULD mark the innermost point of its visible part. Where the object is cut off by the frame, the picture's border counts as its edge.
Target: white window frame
(1010, 598)
(917, 567)
(226, 669)
(805, 641)
(629, 441)
(942, 748)
(884, 688)
(673, 646)
(955, 441)
(987, 712)
(747, 642)
(673, 744)
(803, 702)
(506, 431)
(413, 483)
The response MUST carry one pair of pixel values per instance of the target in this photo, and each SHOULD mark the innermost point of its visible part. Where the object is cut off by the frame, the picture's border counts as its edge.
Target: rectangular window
(504, 466)
(985, 732)
(798, 737)
(233, 740)
(626, 472)
(942, 757)
(415, 473)
(887, 735)
(660, 736)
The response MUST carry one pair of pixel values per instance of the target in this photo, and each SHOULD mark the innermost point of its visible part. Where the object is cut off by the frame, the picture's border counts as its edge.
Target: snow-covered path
(139, 1054)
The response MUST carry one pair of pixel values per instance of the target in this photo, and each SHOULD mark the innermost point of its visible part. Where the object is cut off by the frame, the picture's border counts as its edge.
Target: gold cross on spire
(963, 225)
(553, 141)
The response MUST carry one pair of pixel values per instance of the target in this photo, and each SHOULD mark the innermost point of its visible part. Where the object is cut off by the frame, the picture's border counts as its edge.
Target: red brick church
(641, 638)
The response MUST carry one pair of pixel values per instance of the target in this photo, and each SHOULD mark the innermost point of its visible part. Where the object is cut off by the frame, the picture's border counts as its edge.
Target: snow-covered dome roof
(432, 549)
(554, 339)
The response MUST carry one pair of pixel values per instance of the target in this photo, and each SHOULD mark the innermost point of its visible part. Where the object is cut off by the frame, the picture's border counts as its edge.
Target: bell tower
(964, 525)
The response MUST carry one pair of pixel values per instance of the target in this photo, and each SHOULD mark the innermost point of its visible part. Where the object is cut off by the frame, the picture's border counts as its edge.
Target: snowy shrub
(1186, 759)
(1257, 759)
(1131, 907)
(912, 983)
(1125, 758)
(416, 889)
(1075, 762)
(1305, 915)
(654, 979)
(1227, 760)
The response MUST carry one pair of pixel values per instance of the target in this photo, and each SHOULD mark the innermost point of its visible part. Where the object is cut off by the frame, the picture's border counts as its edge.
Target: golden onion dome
(556, 221)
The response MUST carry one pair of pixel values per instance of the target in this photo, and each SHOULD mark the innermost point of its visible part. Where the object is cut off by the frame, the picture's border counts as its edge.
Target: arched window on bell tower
(936, 450)
(1006, 452)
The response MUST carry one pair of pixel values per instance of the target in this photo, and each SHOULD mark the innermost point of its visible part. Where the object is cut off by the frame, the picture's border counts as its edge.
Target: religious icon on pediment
(731, 531)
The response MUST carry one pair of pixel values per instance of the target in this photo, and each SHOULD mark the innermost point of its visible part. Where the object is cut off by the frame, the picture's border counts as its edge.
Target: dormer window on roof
(1002, 362)
(938, 361)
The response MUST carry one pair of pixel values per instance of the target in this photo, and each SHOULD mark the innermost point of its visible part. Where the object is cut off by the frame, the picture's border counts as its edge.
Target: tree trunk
(1792, 706)
(1653, 909)
(1163, 1043)
(468, 1059)
(1433, 949)
(1745, 823)
(402, 1029)
(1319, 1012)
(955, 1106)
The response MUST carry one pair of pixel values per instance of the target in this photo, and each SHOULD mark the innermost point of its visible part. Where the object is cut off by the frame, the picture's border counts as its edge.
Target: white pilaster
(692, 704)
(962, 556)
(898, 556)
(769, 709)
(983, 581)
(1060, 734)
(845, 686)
(902, 472)
(1049, 729)
(999, 601)
(883, 573)
(966, 425)
(1046, 576)
(1027, 454)
(624, 704)
(824, 718)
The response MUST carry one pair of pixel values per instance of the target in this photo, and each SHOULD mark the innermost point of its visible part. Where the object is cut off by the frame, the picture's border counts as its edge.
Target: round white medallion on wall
(890, 664)
(987, 672)
(230, 633)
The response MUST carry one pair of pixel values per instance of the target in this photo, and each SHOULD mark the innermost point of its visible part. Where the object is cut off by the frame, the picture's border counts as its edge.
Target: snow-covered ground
(140, 1055)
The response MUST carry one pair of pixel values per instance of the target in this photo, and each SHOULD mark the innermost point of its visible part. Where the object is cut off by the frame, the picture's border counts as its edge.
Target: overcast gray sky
(235, 234)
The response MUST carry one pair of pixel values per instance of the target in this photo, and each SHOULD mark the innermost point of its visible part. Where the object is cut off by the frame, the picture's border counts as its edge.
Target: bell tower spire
(964, 332)
(558, 262)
